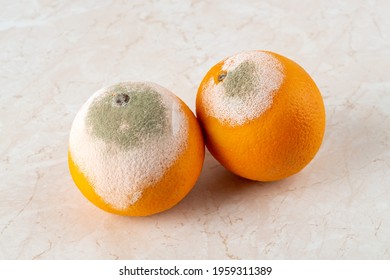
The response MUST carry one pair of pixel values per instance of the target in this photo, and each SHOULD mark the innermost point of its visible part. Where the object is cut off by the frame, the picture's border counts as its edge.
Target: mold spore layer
(245, 88)
(125, 137)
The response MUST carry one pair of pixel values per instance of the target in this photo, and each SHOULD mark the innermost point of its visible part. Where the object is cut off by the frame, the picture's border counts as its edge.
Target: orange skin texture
(176, 183)
(281, 141)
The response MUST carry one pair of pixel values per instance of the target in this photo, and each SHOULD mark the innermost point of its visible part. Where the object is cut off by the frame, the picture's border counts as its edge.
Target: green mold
(241, 81)
(128, 115)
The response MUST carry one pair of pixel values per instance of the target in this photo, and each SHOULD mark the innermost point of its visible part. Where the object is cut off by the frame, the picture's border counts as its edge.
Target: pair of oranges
(136, 149)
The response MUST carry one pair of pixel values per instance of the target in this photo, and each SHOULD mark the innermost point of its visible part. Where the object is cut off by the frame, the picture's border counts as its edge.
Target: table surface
(55, 55)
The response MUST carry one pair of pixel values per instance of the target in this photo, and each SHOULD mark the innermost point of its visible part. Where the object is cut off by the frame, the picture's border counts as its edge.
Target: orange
(262, 114)
(135, 149)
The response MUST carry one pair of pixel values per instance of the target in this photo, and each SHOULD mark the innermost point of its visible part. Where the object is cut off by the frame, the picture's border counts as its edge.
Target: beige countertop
(55, 55)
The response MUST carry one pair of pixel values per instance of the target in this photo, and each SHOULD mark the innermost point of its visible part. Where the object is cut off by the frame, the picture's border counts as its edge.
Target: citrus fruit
(263, 116)
(135, 149)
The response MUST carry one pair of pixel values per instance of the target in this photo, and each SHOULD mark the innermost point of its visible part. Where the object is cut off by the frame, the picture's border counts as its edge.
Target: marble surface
(54, 55)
